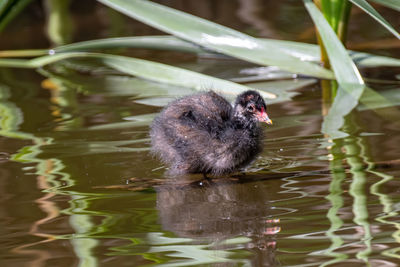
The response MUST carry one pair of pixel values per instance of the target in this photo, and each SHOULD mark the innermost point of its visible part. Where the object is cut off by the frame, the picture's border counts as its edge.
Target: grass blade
(364, 5)
(345, 70)
(215, 37)
(141, 68)
(394, 4)
(11, 10)
(24, 53)
(311, 52)
(4, 5)
(351, 85)
(151, 42)
(302, 51)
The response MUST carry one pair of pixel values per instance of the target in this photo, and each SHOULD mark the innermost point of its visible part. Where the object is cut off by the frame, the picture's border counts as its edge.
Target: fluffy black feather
(202, 133)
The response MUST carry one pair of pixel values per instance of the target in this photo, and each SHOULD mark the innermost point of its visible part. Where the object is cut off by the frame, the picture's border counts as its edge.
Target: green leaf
(9, 10)
(173, 75)
(215, 37)
(4, 6)
(383, 103)
(59, 21)
(384, 99)
(326, 7)
(284, 89)
(372, 12)
(115, 85)
(394, 4)
(311, 52)
(343, 104)
(156, 101)
(345, 70)
(24, 53)
(141, 68)
(351, 85)
(370, 60)
(151, 42)
(302, 51)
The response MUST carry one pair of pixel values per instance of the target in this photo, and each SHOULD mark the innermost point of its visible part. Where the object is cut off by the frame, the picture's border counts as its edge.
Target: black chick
(202, 133)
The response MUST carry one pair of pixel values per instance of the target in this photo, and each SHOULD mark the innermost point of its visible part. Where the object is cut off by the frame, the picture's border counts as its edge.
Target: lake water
(78, 186)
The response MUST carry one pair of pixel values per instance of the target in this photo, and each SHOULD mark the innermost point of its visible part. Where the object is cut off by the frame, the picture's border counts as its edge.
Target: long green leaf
(311, 52)
(343, 104)
(302, 51)
(59, 25)
(351, 85)
(4, 6)
(152, 42)
(24, 53)
(114, 85)
(345, 70)
(370, 60)
(374, 14)
(394, 4)
(213, 36)
(384, 99)
(142, 68)
(13, 9)
(156, 94)
(326, 8)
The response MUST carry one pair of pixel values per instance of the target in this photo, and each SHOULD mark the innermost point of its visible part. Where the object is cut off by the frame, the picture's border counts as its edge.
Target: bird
(204, 133)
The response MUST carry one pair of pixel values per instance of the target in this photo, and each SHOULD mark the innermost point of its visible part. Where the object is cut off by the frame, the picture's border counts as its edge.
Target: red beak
(263, 117)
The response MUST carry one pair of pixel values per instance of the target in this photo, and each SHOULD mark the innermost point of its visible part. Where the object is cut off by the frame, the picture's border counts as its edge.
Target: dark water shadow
(220, 210)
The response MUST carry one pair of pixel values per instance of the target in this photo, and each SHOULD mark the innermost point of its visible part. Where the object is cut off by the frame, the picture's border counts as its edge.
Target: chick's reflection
(221, 210)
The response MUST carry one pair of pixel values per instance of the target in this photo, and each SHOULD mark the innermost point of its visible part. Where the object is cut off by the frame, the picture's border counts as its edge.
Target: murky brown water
(79, 188)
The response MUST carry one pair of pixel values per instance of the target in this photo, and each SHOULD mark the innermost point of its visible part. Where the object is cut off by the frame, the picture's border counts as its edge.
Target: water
(78, 186)
(78, 189)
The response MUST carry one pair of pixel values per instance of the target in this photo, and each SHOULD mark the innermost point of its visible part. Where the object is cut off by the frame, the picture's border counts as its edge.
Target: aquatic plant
(197, 35)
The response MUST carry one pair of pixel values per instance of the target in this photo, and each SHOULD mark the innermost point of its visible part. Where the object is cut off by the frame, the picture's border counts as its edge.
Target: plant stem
(337, 13)
(344, 21)
(326, 96)
(59, 24)
(24, 53)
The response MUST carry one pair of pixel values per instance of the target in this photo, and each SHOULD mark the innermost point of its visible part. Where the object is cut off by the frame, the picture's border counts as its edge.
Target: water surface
(78, 186)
